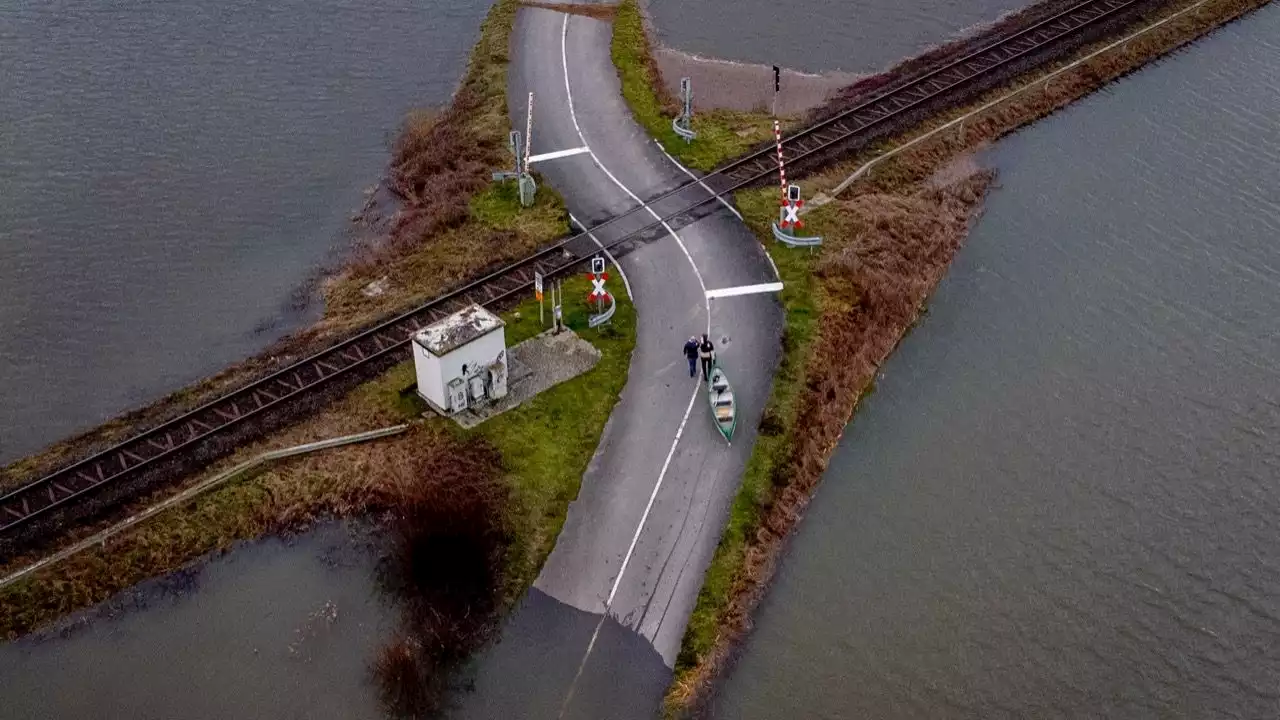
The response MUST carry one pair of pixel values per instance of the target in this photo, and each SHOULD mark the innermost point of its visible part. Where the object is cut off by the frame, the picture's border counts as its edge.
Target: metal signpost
(517, 150)
(557, 311)
(683, 125)
(537, 290)
(789, 218)
(598, 276)
(791, 204)
(777, 87)
(528, 188)
(791, 209)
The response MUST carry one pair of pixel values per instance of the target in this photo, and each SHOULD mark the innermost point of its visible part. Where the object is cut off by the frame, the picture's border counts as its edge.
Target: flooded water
(172, 173)
(1063, 499)
(815, 35)
(272, 630)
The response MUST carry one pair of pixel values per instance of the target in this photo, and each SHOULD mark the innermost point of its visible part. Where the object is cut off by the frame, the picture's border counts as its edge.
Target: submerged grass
(722, 134)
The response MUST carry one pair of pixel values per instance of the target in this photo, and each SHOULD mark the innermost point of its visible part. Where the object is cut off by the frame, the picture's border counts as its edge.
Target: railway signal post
(777, 88)
(537, 290)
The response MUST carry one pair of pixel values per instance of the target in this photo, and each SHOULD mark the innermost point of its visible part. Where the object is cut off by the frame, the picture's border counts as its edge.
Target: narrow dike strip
(890, 235)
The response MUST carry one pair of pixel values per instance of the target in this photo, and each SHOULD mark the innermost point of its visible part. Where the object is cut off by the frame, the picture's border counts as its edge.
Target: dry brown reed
(867, 299)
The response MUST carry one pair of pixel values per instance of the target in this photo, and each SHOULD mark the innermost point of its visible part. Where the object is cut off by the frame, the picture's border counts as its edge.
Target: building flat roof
(457, 330)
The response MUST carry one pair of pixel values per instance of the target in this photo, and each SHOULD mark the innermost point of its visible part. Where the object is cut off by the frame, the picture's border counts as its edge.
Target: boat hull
(724, 406)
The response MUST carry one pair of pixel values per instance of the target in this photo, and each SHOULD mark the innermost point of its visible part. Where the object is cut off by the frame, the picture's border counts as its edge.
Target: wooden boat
(724, 408)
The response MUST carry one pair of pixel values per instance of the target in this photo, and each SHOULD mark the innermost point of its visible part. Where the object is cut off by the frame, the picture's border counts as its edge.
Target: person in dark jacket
(691, 353)
(707, 352)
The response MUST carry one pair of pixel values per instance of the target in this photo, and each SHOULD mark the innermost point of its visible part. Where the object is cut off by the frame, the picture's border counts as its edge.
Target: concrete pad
(534, 366)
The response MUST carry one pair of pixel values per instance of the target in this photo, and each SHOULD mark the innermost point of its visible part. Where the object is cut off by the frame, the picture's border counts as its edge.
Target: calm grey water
(817, 35)
(171, 172)
(272, 630)
(1063, 499)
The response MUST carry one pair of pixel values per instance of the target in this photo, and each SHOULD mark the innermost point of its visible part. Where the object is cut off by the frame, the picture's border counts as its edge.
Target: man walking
(691, 353)
(707, 352)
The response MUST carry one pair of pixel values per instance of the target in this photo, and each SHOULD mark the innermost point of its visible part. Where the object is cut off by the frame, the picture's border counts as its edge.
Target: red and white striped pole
(528, 132)
(782, 171)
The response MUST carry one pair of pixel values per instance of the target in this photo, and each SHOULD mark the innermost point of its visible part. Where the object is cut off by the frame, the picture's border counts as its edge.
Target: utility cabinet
(461, 360)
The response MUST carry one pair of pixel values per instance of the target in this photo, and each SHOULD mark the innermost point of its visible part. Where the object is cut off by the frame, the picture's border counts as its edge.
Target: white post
(528, 133)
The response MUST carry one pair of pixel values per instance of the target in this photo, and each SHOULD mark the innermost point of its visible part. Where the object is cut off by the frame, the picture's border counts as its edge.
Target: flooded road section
(172, 174)
(275, 629)
(861, 36)
(1063, 499)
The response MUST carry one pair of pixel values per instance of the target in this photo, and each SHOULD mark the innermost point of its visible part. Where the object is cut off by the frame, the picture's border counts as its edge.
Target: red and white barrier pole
(782, 171)
(528, 133)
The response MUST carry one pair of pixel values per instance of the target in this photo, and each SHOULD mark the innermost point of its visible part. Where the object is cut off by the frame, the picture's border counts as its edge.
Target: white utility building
(461, 360)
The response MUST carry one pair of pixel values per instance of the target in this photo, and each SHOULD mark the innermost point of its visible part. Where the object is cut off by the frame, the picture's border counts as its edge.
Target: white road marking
(626, 560)
(564, 62)
(745, 290)
(625, 282)
(772, 264)
(706, 187)
(719, 197)
(559, 154)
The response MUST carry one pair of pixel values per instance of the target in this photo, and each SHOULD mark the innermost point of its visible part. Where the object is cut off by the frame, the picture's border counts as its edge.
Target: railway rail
(77, 480)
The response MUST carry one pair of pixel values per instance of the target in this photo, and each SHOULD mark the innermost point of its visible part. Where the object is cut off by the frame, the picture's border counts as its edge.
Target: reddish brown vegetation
(887, 256)
(448, 539)
(914, 67)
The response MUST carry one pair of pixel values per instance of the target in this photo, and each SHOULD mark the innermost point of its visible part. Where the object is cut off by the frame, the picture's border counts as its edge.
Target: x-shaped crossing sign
(792, 218)
(597, 286)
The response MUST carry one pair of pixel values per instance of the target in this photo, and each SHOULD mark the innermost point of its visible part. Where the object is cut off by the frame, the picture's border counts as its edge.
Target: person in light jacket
(707, 353)
(691, 353)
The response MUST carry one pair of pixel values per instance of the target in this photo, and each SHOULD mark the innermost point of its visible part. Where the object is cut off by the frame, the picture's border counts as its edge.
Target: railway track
(186, 432)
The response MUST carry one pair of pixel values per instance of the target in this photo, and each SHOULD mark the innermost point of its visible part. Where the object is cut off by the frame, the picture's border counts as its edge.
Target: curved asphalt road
(628, 565)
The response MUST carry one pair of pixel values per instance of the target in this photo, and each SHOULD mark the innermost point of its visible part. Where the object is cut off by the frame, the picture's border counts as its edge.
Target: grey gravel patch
(534, 366)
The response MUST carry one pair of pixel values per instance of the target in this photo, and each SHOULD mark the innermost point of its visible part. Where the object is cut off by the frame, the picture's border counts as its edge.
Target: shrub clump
(448, 537)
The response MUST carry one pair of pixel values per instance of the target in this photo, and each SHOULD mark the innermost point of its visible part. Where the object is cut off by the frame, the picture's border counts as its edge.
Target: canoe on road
(723, 406)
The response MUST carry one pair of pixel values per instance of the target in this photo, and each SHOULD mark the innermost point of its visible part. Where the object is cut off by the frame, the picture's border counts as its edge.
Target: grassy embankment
(722, 134)
(543, 446)
(888, 241)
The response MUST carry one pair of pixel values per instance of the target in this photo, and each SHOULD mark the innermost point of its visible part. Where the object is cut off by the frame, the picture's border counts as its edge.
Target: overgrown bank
(887, 244)
(537, 452)
(436, 221)
(541, 450)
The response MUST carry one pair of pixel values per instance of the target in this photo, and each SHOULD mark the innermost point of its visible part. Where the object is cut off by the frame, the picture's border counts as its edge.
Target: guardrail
(687, 134)
(606, 316)
(790, 240)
